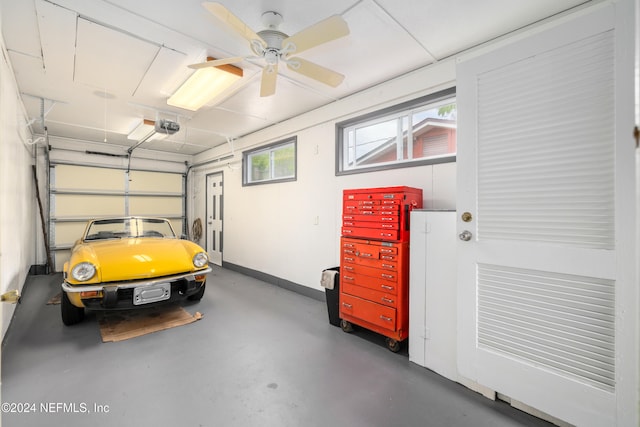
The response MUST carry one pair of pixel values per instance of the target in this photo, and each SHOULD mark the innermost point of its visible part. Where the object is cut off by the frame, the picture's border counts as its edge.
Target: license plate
(149, 294)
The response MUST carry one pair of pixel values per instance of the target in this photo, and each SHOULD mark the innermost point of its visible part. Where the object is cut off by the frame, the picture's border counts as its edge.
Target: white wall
(18, 209)
(291, 230)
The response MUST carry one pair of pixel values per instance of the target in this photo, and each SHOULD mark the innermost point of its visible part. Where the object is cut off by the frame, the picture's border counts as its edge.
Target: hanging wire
(105, 114)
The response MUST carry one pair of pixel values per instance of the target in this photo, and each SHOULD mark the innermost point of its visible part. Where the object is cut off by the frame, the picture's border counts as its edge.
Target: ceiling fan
(275, 46)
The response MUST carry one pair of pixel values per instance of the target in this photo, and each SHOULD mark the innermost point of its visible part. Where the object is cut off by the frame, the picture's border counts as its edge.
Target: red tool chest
(374, 260)
(379, 213)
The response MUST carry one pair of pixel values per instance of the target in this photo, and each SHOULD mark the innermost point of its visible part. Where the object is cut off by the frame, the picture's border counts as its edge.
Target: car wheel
(198, 295)
(70, 313)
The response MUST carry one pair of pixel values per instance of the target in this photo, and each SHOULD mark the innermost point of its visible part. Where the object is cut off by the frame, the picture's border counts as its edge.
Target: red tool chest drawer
(376, 273)
(368, 282)
(375, 314)
(383, 298)
(368, 248)
(371, 233)
(357, 206)
(377, 217)
(386, 265)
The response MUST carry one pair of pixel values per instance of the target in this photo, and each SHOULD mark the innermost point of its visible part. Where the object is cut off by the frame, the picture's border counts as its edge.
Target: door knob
(465, 236)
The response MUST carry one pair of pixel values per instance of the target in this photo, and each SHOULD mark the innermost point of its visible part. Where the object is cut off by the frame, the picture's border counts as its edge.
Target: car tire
(198, 295)
(70, 313)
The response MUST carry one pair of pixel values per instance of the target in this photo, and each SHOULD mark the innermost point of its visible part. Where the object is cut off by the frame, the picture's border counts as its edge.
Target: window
(418, 132)
(272, 163)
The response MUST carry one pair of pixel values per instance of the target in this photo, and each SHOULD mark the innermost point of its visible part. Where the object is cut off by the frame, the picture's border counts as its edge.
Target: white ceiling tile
(13, 29)
(107, 58)
(446, 27)
(155, 85)
(57, 30)
(377, 49)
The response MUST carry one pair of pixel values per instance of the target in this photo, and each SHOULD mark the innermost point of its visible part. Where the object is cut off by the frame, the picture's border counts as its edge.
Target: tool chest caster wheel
(346, 326)
(393, 345)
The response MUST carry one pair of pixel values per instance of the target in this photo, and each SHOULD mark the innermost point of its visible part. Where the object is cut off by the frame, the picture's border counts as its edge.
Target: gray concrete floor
(260, 356)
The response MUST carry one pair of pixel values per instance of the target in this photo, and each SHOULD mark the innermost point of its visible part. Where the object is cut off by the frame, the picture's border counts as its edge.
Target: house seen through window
(398, 137)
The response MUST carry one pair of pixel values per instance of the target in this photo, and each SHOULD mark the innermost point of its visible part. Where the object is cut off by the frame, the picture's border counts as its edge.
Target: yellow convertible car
(123, 263)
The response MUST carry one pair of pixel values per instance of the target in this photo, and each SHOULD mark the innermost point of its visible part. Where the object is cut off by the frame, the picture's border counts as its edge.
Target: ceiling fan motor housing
(273, 52)
(273, 38)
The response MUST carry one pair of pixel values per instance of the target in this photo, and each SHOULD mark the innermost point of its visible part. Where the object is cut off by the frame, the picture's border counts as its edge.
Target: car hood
(142, 258)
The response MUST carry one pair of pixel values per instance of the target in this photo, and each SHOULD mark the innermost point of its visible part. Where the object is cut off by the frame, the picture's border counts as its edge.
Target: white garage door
(79, 193)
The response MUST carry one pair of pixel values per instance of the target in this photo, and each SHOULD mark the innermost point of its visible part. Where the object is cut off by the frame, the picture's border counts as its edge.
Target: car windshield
(128, 227)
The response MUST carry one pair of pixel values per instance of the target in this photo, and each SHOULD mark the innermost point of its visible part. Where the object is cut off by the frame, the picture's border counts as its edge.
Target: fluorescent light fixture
(204, 85)
(143, 130)
(146, 131)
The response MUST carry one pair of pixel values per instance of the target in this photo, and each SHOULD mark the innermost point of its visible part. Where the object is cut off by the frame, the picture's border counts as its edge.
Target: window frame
(389, 113)
(270, 148)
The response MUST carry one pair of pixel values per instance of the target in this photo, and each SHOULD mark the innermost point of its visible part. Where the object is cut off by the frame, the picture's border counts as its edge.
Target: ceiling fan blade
(217, 62)
(315, 71)
(268, 83)
(331, 28)
(232, 21)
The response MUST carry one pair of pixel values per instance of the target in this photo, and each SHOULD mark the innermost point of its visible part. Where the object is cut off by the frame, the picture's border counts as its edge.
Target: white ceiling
(93, 69)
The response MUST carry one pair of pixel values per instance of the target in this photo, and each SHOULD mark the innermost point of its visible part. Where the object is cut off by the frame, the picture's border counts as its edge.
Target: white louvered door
(542, 170)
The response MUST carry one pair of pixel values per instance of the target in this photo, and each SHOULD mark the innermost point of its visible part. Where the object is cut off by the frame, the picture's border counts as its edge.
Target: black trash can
(333, 297)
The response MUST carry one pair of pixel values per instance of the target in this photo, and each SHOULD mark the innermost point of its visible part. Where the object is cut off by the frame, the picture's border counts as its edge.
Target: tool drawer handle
(385, 318)
(344, 304)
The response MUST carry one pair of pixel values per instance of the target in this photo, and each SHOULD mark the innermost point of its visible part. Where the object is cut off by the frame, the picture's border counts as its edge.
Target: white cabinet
(432, 291)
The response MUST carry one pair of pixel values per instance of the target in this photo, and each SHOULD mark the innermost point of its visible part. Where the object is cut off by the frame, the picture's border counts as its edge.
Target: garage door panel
(84, 205)
(66, 233)
(71, 177)
(61, 257)
(154, 182)
(177, 226)
(160, 206)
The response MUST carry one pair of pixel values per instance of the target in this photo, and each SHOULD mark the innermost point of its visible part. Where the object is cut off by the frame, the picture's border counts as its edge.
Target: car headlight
(83, 271)
(200, 259)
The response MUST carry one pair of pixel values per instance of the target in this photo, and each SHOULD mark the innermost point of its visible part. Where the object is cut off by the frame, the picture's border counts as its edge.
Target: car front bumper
(122, 295)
